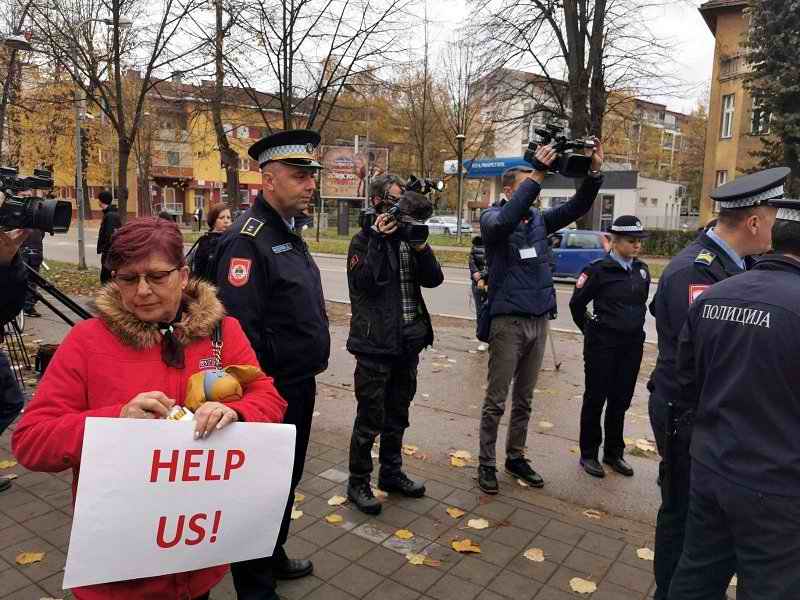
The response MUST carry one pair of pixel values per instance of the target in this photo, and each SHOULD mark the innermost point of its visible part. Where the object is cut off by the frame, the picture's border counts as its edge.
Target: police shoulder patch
(705, 257)
(581, 280)
(281, 248)
(252, 226)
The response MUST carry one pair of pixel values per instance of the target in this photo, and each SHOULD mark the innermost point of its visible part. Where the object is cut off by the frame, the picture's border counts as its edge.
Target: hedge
(666, 242)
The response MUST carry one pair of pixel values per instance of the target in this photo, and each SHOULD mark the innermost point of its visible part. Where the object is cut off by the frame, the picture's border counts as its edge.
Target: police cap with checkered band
(295, 147)
(628, 226)
(756, 189)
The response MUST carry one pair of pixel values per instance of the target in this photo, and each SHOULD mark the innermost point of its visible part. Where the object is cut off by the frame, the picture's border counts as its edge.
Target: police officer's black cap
(755, 189)
(628, 226)
(788, 209)
(293, 147)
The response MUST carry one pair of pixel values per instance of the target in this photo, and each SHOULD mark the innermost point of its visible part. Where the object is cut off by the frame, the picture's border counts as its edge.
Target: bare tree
(309, 50)
(113, 64)
(14, 20)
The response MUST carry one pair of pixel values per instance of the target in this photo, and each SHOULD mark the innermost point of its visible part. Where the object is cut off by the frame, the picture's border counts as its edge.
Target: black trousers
(384, 390)
(735, 529)
(253, 579)
(105, 273)
(34, 261)
(611, 366)
(11, 399)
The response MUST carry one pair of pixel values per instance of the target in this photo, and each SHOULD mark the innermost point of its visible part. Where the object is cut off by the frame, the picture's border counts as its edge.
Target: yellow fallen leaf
(403, 534)
(478, 523)
(409, 450)
(462, 454)
(296, 514)
(534, 554)
(416, 559)
(582, 586)
(336, 500)
(523, 483)
(457, 462)
(26, 558)
(465, 546)
(334, 519)
(7, 464)
(575, 450)
(591, 513)
(456, 513)
(11, 476)
(298, 497)
(645, 446)
(645, 554)
(628, 441)
(545, 425)
(734, 581)
(379, 493)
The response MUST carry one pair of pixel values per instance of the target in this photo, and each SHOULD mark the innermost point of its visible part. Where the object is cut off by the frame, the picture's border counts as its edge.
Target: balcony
(733, 66)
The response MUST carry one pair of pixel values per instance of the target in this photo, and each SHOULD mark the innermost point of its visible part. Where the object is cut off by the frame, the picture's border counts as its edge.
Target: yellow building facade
(735, 126)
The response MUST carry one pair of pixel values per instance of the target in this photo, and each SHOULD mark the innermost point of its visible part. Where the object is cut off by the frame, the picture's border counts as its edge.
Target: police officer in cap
(740, 396)
(743, 228)
(618, 286)
(268, 280)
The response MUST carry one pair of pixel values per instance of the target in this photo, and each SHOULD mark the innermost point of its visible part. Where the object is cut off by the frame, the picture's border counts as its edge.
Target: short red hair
(139, 239)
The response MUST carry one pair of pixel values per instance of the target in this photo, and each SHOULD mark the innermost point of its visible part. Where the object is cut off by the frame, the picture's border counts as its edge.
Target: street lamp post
(460, 142)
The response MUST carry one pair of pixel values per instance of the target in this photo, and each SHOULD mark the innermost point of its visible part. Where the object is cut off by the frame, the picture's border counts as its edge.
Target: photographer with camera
(13, 279)
(520, 301)
(388, 262)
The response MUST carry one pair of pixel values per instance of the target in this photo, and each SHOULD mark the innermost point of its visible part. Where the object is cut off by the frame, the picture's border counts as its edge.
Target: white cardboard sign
(152, 500)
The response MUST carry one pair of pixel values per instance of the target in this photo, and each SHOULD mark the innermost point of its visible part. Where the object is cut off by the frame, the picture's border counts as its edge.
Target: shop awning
(481, 168)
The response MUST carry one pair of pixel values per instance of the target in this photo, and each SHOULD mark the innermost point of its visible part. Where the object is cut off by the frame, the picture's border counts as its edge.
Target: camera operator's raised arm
(561, 216)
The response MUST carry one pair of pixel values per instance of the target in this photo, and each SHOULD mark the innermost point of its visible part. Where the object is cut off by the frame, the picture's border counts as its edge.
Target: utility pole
(79, 168)
(460, 141)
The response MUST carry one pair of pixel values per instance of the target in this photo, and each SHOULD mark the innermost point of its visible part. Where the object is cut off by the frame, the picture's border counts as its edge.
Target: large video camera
(411, 211)
(570, 159)
(18, 212)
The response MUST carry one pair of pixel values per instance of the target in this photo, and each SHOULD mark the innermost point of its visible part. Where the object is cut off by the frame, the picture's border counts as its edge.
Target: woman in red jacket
(153, 330)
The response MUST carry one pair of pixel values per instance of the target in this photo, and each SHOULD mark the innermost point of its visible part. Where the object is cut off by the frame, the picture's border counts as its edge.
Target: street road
(452, 298)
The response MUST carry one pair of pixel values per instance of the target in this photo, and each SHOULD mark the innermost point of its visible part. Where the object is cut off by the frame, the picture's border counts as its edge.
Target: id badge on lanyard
(527, 253)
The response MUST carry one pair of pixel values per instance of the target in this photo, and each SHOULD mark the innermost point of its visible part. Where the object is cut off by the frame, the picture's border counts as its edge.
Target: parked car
(576, 248)
(447, 225)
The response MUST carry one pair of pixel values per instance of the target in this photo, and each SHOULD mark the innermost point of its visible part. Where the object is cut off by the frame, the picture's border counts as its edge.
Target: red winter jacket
(100, 366)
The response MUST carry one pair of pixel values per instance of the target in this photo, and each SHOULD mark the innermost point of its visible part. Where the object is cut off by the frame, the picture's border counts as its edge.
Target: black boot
(399, 482)
(284, 567)
(619, 465)
(361, 495)
(521, 469)
(593, 467)
(487, 479)
(4, 484)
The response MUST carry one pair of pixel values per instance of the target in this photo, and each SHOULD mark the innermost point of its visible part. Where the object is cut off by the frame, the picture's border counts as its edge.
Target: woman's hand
(210, 416)
(148, 405)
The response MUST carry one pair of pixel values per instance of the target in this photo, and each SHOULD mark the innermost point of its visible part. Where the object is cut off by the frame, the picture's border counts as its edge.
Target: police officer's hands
(10, 241)
(211, 416)
(385, 224)
(148, 405)
(596, 154)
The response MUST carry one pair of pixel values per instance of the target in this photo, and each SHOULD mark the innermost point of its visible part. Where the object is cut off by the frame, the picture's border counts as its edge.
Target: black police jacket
(13, 280)
(737, 370)
(515, 237)
(373, 278)
(619, 298)
(204, 262)
(269, 281)
(698, 266)
(110, 223)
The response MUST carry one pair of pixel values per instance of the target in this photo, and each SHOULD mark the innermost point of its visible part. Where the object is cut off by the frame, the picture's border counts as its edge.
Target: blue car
(575, 248)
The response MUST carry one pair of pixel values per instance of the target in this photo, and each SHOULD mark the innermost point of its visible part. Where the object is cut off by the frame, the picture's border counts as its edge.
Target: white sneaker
(482, 347)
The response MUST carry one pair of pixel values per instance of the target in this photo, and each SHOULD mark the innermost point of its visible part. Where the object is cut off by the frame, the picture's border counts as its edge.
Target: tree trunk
(122, 176)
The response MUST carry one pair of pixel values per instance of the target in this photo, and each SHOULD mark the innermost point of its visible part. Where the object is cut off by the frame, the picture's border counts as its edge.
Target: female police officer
(618, 286)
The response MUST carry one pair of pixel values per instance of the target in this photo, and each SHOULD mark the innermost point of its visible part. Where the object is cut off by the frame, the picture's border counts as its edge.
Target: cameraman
(13, 280)
(389, 328)
(521, 300)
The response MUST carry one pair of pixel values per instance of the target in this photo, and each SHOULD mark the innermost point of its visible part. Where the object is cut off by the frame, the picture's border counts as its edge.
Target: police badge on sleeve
(239, 271)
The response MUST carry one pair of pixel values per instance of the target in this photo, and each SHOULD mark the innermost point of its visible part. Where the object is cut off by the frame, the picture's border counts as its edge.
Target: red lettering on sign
(172, 465)
(195, 465)
(189, 465)
(162, 525)
(234, 460)
(197, 525)
(210, 466)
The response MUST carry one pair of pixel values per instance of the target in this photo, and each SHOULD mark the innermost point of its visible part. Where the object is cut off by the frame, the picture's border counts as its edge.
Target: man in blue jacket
(521, 299)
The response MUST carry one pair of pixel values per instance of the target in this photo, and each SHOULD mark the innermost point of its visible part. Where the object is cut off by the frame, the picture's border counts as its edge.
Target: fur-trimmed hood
(202, 311)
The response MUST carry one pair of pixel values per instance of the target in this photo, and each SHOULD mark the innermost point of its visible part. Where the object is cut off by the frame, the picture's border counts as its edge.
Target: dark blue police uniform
(613, 346)
(694, 270)
(269, 281)
(738, 383)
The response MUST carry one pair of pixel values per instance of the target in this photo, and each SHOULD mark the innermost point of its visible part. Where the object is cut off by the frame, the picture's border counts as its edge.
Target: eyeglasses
(153, 278)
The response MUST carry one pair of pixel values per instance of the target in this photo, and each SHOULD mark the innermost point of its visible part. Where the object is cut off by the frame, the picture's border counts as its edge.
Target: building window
(643, 201)
(760, 121)
(199, 198)
(556, 201)
(607, 211)
(242, 132)
(654, 202)
(726, 129)
(721, 179)
(667, 140)
(244, 164)
(173, 158)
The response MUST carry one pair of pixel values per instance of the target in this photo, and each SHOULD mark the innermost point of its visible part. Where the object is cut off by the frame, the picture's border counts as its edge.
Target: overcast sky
(678, 21)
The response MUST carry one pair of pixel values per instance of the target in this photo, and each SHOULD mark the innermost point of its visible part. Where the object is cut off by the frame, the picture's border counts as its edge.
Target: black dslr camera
(411, 211)
(570, 160)
(17, 212)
